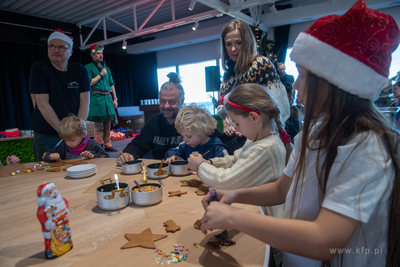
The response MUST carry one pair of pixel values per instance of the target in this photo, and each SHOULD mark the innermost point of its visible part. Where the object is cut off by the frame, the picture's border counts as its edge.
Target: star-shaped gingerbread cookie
(145, 239)
(176, 193)
(171, 226)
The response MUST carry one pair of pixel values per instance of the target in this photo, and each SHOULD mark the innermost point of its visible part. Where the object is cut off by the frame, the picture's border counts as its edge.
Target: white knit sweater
(256, 163)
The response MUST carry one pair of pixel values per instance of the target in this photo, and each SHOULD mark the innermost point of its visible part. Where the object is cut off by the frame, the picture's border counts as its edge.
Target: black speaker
(213, 79)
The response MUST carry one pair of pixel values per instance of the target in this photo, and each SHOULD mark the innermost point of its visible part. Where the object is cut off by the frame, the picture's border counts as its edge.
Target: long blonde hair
(248, 51)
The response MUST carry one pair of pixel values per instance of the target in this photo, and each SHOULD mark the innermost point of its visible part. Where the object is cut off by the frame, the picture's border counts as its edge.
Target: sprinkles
(146, 188)
(173, 257)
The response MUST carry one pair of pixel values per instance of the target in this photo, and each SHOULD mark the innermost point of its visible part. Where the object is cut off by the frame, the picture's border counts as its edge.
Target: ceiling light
(191, 5)
(195, 26)
(273, 9)
(124, 44)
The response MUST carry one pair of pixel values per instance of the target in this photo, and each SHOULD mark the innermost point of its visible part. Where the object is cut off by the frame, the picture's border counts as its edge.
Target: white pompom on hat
(41, 200)
(352, 51)
(59, 34)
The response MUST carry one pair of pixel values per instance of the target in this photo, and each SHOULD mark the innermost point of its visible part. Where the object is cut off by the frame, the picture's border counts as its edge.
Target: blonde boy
(196, 126)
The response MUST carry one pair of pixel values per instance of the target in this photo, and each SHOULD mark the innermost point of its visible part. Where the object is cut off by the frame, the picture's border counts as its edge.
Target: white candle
(116, 180)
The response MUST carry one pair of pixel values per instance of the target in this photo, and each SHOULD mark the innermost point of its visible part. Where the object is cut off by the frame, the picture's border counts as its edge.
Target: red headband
(242, 108)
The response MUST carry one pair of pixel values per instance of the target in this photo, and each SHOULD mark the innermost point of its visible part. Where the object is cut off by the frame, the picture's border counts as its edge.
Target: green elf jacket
(101, 106)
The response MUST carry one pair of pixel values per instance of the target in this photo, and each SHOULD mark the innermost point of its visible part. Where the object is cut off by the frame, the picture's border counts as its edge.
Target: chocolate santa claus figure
(53, 215)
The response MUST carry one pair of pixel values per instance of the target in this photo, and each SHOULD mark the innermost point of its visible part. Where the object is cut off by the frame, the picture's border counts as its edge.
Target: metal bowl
(131, 167)
(147, 198)
(179, 167)
(152, 170)
(111, 198)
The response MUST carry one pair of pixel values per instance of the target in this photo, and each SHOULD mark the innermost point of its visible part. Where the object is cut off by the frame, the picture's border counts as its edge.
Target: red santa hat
(58, 34)
(41, 191)
(352, 51)
(94, 48)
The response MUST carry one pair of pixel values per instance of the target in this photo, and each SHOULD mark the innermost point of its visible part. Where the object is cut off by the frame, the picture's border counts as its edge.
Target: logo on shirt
(163, 141)
(73, 85)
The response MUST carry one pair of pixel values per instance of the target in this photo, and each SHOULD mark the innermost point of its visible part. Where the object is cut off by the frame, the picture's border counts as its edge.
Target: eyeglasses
(60, 48)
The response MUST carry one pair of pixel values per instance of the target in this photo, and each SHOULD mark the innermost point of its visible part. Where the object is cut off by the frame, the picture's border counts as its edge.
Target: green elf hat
(94, 48)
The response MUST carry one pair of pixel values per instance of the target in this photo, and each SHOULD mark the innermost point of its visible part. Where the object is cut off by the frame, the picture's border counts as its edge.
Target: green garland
(20, 148)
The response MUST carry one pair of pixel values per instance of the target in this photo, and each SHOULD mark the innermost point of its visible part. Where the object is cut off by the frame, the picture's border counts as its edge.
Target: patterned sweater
(256, 163)
(262, 72)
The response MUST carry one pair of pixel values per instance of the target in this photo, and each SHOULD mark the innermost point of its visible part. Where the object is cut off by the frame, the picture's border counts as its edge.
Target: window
(162, 75)
(395, 66)
(290, 65)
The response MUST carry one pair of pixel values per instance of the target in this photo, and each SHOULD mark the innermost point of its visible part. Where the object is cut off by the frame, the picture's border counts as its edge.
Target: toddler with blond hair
(196, 126)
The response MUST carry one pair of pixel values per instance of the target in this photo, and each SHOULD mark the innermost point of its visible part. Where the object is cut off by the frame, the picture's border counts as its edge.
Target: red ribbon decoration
(242, 108)
(221, 99)
(284, 136)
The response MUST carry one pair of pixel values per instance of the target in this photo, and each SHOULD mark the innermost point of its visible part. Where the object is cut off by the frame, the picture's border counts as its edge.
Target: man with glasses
(103, 99)
(59, 88)
(159, 133)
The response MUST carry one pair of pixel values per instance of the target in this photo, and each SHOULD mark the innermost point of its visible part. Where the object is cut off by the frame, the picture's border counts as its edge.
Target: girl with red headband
(264, 155)
(341, 186)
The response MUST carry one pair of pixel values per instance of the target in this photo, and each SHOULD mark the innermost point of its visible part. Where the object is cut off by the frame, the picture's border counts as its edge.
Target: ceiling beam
(111, 11)
(177, 40)
(316, 11)
(236, 12)
(152, 29)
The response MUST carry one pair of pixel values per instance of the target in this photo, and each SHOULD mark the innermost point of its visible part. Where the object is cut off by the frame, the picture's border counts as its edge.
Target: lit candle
(116, 180)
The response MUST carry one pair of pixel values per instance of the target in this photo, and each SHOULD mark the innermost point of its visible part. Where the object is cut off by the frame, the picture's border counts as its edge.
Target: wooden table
(97, 235)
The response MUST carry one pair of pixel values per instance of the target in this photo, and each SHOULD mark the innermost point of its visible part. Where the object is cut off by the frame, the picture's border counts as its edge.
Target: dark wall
(20, 47)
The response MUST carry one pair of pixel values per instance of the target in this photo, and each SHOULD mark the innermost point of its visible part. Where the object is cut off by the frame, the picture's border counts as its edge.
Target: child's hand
(172, 159)
(11, 160)
(87, 154)
(223, 196)
(54, 156)
(194, 161)
(121, 158)
(218, 216)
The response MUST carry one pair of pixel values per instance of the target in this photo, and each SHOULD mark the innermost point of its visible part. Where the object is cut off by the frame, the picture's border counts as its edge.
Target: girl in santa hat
(341, 186)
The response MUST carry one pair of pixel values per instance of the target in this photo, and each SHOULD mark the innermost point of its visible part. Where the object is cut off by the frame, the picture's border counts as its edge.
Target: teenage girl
(342, 183)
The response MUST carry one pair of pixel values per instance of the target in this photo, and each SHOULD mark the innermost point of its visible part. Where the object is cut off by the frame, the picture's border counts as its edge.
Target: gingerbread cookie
(197, 224)
(171, 226)
(222, 240)
(203, 190)
(55, 169)
(176, 193)
(191, 183)
(57, 164)
(145, 239)
(78, 162)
